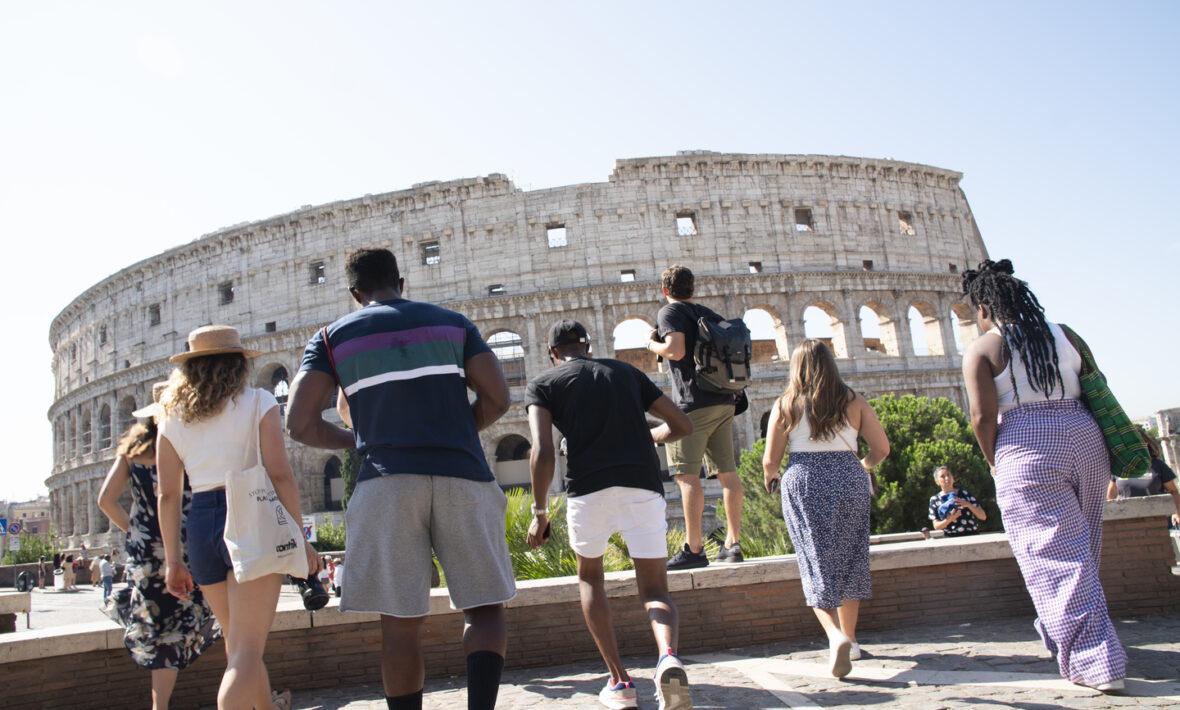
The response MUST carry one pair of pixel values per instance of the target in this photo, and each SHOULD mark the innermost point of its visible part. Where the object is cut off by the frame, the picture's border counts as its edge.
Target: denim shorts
(208, 558)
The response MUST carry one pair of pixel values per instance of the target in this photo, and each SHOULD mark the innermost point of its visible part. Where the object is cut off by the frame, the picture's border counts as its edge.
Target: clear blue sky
(128, 128)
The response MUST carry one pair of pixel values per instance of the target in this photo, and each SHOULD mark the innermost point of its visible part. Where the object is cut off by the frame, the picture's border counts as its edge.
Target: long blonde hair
(815, 391)
(199, 387)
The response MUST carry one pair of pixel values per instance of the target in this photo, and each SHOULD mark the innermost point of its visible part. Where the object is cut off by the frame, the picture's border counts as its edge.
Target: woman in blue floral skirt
(164, 633)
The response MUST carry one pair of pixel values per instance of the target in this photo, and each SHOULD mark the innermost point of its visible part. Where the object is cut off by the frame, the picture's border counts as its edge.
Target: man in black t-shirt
(1159, 479)
(712, 416)
(612, 485)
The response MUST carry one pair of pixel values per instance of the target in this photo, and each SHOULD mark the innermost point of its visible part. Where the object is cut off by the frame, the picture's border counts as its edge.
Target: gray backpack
(722, 353)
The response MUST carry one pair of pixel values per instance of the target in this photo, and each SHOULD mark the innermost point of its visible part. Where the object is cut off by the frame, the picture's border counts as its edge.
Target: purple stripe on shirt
(412, 336)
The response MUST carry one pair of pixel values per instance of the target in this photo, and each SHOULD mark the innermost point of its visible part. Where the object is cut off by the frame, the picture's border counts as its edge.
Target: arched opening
(963, 325)
(629, 338)
(126, 419)
(767, 335)
(925, 329)
(333, 485)
(764, 424)
(821, 321)
(512, 461)
(84, 440)
(878, 330)
(72, 439)
(60, 431)
(509, 348)
(104, 428)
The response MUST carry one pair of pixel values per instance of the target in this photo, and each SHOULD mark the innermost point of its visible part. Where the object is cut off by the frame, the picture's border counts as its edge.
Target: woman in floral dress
(164, 633)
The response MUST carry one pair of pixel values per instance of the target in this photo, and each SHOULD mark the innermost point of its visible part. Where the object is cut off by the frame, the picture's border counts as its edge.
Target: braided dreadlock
(1021, 320)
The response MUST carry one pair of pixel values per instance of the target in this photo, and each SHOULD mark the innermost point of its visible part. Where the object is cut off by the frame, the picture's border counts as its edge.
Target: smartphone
(774, 485)
(547, 531)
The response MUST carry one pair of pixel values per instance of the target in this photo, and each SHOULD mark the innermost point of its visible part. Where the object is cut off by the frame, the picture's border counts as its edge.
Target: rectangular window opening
(627, 275)
(686, 224)
(102, 335)
(557, 236)
(867, 264)
(755, 267)
(271, 326)
(803, 220)
(315, 273)
(154, 314)
(954, 268)
(226, 293)
(431, 254)
(905, 222)
(496, 290)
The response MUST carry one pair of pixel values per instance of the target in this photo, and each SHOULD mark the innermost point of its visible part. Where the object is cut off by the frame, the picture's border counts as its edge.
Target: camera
(312, 592)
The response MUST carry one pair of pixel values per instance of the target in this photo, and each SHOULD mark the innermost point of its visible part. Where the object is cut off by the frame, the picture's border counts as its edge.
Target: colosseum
(871, 247)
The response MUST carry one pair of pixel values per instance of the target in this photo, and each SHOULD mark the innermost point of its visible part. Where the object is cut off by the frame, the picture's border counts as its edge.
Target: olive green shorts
(711, 441)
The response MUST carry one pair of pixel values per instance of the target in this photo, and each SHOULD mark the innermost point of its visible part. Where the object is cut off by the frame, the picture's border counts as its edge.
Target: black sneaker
(731, 554)
(687, 559)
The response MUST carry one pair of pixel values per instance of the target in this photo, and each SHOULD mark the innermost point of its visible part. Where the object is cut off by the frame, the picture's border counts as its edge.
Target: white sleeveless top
(1068, 361)
(212, 448)
(800, 441)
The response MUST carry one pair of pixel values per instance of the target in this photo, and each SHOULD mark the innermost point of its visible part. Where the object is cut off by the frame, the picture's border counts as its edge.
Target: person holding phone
(612, 485)
(826, 490)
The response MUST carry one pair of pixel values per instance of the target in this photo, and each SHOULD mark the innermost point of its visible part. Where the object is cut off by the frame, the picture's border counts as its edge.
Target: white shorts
(635, 513)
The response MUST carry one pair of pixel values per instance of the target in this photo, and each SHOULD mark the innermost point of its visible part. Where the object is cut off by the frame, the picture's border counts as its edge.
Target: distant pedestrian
(954, 510)
(826, 490)
(44, 571)
(612, 485)
(1051, 467)
(69, 573)
(106, 572)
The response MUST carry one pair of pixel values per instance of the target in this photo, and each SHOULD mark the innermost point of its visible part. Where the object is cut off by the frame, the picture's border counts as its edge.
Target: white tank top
(1068, 361)
(212, 448)
(799, 440)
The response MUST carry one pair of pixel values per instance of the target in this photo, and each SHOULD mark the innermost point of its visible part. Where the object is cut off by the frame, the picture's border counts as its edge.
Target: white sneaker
(620, 695)
(672, 684)
(854, 654)
(1114, 686)
(841, 649)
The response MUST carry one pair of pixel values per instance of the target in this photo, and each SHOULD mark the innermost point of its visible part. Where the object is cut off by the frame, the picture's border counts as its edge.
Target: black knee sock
(483, 679)
(413, 701)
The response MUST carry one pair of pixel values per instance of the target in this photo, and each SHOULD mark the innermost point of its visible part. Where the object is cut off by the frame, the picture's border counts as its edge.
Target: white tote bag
(260, 534)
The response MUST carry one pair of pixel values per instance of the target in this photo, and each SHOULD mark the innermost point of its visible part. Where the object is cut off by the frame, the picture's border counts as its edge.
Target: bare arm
(671, 349)
(311, 392)
(170, 471)
(981, 394)
(950, 518)
(278, 469)
(776, 446)
(343, 410)
(1112, 490)
(486, 379)
(112, 488)
(676, 424)
(869, 426)
(1170, 487)
(541, 460)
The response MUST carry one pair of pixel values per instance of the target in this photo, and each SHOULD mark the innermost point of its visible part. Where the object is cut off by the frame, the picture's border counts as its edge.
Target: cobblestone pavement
(995, 664)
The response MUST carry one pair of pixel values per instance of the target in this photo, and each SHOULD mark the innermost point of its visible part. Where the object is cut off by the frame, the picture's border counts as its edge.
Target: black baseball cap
(566, 331)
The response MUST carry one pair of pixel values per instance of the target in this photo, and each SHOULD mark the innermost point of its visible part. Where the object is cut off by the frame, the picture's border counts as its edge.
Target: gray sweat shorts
(393, 524)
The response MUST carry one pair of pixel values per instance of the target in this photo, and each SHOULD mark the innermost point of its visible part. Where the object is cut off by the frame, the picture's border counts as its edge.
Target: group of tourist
(400, 373)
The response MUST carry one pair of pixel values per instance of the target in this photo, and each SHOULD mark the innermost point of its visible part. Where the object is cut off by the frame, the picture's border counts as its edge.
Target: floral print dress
(162, 630)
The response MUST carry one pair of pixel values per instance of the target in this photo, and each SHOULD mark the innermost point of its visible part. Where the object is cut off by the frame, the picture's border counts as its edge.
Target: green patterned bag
(1129, 456)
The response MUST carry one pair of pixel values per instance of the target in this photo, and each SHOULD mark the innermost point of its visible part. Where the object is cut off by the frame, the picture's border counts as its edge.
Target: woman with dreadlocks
(1051, 466)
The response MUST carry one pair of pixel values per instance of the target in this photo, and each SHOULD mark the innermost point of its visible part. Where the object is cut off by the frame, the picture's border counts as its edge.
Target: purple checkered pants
(1052, 471)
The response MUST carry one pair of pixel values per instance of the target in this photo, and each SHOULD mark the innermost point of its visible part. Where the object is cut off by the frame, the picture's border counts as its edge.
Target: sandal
(281, 700)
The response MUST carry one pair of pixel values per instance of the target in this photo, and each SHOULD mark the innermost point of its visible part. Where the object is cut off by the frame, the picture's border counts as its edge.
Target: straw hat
(154, 409)
(213, 340)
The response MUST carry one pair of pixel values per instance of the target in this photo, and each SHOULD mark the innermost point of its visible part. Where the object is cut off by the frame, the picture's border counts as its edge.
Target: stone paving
(994, 664)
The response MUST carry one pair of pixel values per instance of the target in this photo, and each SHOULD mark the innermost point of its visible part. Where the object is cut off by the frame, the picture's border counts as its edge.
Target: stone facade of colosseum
(772, 233)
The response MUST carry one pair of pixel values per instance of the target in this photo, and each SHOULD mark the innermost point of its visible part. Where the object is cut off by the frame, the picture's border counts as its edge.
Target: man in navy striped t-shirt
(403, 370)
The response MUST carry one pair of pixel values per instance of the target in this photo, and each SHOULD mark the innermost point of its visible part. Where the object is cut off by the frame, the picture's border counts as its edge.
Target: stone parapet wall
(759, 601)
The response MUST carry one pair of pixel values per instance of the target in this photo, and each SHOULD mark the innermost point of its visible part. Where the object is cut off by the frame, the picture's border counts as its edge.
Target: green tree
(924, 433)
(330, 536)
(350, 463)
(32, 547)
(764, 532)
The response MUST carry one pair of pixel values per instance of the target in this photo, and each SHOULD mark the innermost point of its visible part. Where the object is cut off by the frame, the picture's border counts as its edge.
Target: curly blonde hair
(816, 391)
(199, 387)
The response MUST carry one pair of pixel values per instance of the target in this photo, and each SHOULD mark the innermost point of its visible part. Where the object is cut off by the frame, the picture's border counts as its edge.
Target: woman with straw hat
(210, 420)
(164, 633)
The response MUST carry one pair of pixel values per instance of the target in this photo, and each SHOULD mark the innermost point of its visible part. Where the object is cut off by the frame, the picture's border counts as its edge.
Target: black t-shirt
(681, 317)
(598, 405)
(1150, 485)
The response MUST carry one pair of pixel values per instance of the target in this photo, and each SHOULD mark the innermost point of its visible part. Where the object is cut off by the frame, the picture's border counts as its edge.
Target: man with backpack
(705, 381)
